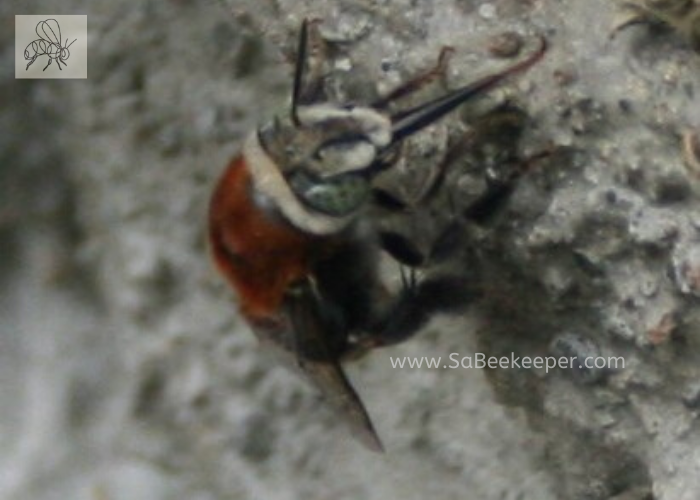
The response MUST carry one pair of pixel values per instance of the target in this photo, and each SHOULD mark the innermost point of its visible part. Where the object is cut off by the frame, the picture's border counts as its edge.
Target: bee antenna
(299, 70)
(405, 123)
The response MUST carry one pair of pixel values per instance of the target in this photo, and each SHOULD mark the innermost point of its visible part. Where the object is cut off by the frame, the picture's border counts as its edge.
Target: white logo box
(50, 46)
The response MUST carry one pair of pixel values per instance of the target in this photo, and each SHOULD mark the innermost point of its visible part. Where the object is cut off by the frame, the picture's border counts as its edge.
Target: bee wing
(301, 340)
(50, 31)
(330, 380)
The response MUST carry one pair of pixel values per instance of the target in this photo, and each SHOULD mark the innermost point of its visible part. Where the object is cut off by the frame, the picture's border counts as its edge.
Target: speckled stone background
(125, 372)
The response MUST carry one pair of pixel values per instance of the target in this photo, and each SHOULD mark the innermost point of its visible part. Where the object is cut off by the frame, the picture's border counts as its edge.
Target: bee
(290, 230)
(48, 44)
(681, 15)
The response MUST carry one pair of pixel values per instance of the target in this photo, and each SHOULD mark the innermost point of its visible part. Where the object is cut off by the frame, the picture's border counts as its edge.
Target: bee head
(327, 153)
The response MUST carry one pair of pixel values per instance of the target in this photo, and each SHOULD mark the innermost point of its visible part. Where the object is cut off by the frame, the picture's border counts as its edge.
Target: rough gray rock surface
(127, 374)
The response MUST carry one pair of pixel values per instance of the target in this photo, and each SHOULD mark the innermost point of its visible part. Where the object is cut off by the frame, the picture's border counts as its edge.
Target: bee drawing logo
(48, 44)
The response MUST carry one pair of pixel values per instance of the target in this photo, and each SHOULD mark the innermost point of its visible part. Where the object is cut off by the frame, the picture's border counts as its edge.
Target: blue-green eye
(338, 196)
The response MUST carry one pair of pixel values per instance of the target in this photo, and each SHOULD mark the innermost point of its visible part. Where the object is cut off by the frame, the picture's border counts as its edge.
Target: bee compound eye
(338, 196)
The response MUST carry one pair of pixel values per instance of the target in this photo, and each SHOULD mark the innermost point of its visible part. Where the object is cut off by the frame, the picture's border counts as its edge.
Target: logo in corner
(43, 40)
(48, 44)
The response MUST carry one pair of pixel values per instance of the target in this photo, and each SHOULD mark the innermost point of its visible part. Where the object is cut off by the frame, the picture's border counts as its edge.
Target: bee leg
(498, 191)
(490, 203)
(404, 315)
(454, 237)
(365, 314)
(668, 13)
(437, 175)
(419, 81)
(401, 249)
(435, 179)
(420, 299)
(417, 303)
(451, 240)
(633, 20)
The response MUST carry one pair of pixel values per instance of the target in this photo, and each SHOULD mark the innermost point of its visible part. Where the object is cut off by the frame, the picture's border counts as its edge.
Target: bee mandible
(287, 229)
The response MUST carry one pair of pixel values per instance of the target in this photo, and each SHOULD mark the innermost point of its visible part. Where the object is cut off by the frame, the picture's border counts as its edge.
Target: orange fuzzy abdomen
(259, 253)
